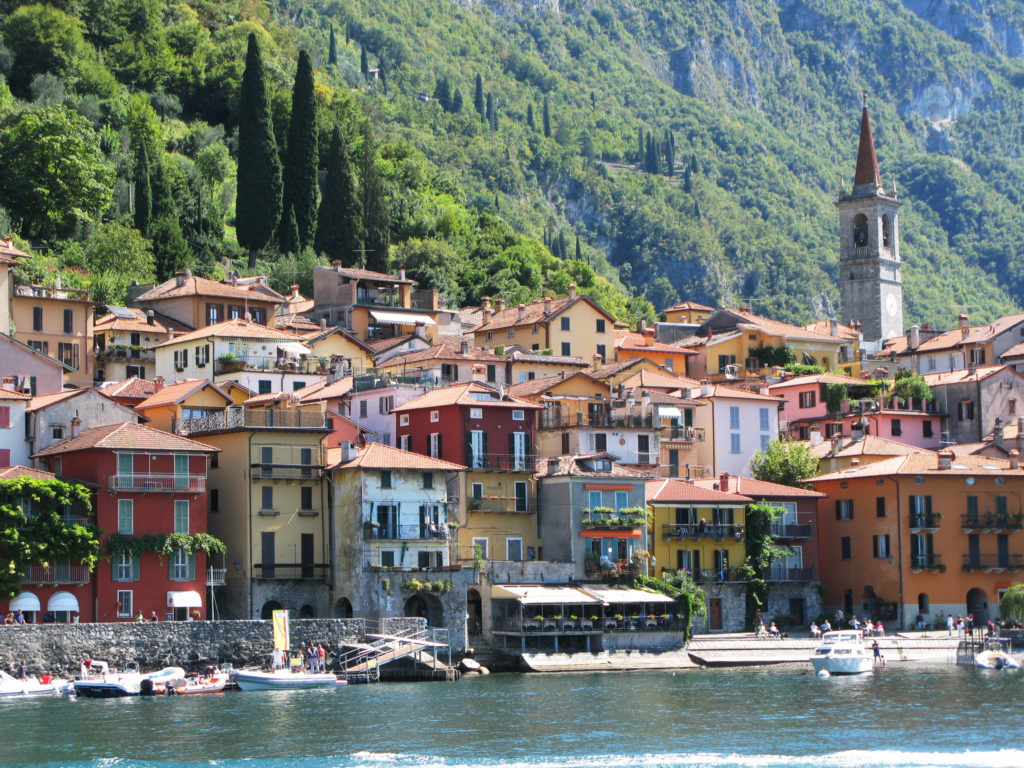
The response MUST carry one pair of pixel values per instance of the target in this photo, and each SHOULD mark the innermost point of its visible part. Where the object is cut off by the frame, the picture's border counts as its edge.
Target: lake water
(779, 717)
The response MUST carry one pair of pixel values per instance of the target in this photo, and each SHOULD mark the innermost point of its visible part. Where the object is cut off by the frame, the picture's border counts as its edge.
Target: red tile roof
(923, 464)
(735, 393)
(45, 401)
(15, 471)
(380, 456)
(760, 489)
(748, 321)
(965, 374)
(445, 351)
(192, 285)
(128, 436)
(129, 389)
(321, 390)
(631, 341)
(383, 345)
(869, 445)
(10, 394)
(369, 274)
(817, 378)
(234, 329)
(572, 466)
(10, 253)
(463, 394)
(537, 386)
(669, 491)
(534, 312)
(139, 322)
(656, 380)
(172, 394)
(688, 305)
(825, 327)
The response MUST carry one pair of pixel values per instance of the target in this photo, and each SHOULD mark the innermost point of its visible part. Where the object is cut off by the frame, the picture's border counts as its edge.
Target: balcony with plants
(925, 521)
(702, 530)
(993, 563)
(919, 563)
(607, 519)
(989, 522)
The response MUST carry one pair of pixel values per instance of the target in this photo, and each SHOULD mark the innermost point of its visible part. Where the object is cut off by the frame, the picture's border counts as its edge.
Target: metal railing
(791, 530)
(501, 462)
(560, 420)
(286, 472)
(269, 363)
(683, 434)
(253, 418)
(502, 505)
(216, 577)
(56, 573)
(919, 522)
(157, 483)
(702, 531)
(783, 573)
(587, 624)
(992, 522)
(419, 532)
(290, 571)
(710, 575)
(925, 561)
(993, 561)
(120, 352)
(689, 471)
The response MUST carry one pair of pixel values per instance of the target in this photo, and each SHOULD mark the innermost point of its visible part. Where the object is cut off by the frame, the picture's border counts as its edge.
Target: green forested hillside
(661, 150)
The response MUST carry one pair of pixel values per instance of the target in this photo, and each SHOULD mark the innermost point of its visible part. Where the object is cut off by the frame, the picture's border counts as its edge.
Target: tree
(670, 153)
(55, 176)
(115, 255)
(332, 49)
(546, 118)
(364, 63)
(1011, 604)
(169, 246)
(762, 551)
(376, 216)
(478, 96)
(910, 386)
(529, 116)
(785, 462)
(299, 174)
(339, 232)
(143, 192)
(41, 38)
(457, 101)
(258, 203)
(835, 396)
(288, 237)
(492, 113)
(679, 585)
(162, 192)
(443, 93)
(579, 254)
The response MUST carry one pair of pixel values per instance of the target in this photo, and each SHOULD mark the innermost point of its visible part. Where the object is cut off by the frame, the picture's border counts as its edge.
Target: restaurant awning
(620, 595)
(62, 601)
(536, 594)
(184, 600)
(634, 533)
(293, 348)
(401, 318)
(26, 601)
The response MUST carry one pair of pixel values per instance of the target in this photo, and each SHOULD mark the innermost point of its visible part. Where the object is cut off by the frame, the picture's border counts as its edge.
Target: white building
(739, 423)
(13, 446)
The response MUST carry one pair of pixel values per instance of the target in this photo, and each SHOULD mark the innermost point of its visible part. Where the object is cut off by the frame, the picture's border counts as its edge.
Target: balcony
(157, 483)
(560, 420)
(268, 363)
(502, 504)
(688, 471)
(777, 573)
(56, 573)
(286, 472)
(791, 531)
(925, 522)
(216, 577)
(43, 292)
(990, 522)
(292, 571)
(127, 353)
(711, 575)
(993, 563)
(375, 532)
(678, 434)
(933, 563)
(501, 462)
(252, 418)
(672, 532)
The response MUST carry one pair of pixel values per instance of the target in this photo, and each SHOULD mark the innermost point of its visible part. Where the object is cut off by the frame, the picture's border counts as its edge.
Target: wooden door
(715, 613)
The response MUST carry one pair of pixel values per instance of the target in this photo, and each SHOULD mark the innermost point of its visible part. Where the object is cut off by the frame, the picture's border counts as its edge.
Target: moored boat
(31, 686)
(997, 655)
(283, 679)
(842, 653)
(100, 683)
(213, 683)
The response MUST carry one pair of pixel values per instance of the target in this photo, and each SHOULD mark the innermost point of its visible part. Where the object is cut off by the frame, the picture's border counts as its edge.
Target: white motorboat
(32, 686)
(100, 683)
(284, 679)
(997, 655)
(842, 653)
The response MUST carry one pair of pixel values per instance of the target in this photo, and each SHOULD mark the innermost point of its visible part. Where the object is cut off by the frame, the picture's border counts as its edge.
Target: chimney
(486, 315)
(572, 291)
(723, 482)
(401, 272)
(295, 292)
(348, 450)
(836, 440)
(854, 462)
(1014, 458)
(464, 347)
(76, 427)
(150, 317)
(10, 383)
(1020, 434)
(158, 384)
(641, 326)
(946, 459)
(914, 337)
(709, 334)
(972, 365)
(179, 279)
(420, 332)
(547, 305)
(833, 327)
(598, 360)
(485, 302)
(501, 303)
(706, 389)
(522, 312)
(997, 433)
(964, 327)
(336, 266)
(323, 324)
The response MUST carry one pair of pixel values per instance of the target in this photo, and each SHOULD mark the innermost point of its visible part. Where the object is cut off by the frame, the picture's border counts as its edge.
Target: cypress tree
(376, 217)
(364, 64)
(160, 188)
(443, 93)
(529, 116)
(143, 191)
(642, 147)
(332, 50)
(670, 153)
(457, 101)
(492, 113)
(547, 118)
(478, 96)
(288, 237)
(339, 225)
(169, 246)
(300, 161)
(258, 201)
(687, 180)
(579, 254)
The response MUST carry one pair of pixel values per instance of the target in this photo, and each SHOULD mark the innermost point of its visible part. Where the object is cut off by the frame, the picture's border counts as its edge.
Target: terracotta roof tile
(869, 445)
(760, 489)
(519, 356)
(10, 252)
(688, 305)
(172, 394)
(536, 386)
(15, 471)
(45, 401)
(924, 464)
(818, 378)
(825, 327)
(534, 313)
(965, 374)
(193, 285)
(668, 491)
(462, 394)
(129, 389)
(976, 334)
(380, 456)
(234, 329)
(369, 274)
(321, 390)
(10, 394)
(747, 320)
(128, 436)
(640, 342)
(383, 345)
(445, 351)
(735, 393)
(572, 466)
(656, 380)
(617, 367)
(139, 322)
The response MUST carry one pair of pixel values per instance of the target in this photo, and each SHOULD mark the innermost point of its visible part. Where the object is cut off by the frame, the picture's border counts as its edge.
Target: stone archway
(307, 612)
(977, 603)
(343, 608)
(425, 607)
(474, 609)
(267, 611)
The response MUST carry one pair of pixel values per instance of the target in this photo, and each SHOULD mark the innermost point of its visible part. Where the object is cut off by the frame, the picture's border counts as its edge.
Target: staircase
(362, 664)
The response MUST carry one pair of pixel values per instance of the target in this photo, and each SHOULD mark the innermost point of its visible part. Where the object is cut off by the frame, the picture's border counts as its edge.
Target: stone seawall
(60, 648)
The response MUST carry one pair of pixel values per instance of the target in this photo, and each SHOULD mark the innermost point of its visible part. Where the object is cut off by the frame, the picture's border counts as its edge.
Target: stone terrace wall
(60, 648)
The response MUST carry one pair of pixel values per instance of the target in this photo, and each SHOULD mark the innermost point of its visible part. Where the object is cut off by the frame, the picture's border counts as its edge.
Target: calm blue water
(784, 717)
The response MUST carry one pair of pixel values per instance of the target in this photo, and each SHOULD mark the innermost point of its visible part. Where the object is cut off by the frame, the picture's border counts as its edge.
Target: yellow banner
(280, 619)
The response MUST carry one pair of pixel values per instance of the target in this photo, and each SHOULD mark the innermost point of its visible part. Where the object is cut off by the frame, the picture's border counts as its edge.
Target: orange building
(914, 538)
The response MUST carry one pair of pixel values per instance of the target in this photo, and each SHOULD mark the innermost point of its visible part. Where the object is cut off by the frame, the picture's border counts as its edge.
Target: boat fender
(823, 673)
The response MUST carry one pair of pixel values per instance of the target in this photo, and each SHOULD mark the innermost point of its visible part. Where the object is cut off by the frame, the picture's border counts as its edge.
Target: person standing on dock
(949, 623)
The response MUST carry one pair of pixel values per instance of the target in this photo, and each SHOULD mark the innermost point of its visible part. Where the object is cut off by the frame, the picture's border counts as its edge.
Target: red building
(147, 483)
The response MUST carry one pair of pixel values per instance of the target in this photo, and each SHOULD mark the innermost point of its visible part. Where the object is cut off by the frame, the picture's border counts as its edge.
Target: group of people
(152, 617)
(14, 617)
(313, 658)
(869, 628)
(963, 625)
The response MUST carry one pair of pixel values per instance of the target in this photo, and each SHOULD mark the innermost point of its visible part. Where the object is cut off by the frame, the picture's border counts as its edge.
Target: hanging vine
(164, 544)
(679, 586)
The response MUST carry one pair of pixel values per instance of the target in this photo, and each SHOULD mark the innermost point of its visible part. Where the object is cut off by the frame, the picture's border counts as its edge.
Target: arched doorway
(267, 612)
(474, 607)
(343, 609)
(426, 607)
(307, 612)
(977, 603)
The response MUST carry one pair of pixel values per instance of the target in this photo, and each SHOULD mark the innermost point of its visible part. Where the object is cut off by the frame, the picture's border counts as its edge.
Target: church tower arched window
(886, 231)
(860, 230)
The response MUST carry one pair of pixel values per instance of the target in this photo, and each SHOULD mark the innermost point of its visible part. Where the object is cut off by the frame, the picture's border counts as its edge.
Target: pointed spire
(867, 160)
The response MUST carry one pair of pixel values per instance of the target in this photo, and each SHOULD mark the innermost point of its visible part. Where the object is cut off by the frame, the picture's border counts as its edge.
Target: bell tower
(870, 269)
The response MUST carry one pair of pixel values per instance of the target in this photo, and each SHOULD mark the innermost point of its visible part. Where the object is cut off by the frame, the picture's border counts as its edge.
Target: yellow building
(572, 326)
(57, 322)
(198, 302)
(688, 313)
(340, 347)
(125, 339)
(183, 400)
(268, 505)
(702, 531)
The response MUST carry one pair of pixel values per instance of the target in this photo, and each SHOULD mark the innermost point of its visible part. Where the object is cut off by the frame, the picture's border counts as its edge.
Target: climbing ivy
(678, 585)
(762, 551)
(164, 544)
(33, 532)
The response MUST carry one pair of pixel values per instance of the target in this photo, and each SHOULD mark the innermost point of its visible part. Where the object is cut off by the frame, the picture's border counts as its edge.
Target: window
(385, 478)
(601, 352)
(403, 420)
(126, 567)
(897, 428)
(808, 399)
(126, 516)
(405, 442)
(181, 471)
(385, 404)
(67, 353)
(125, 468)
(565, 323)
(621, 500)
(435, 445)
(428, 480)
(258, 314)
(926, 428)
(734, 417)
(489, 334)
(476, 413)
(566, 349)
(880, 545)
(734, 442)
(600, 325)
(880, 506)
(214, 500)
(492, 375)
(264, 387)
(518, 415)
(125, 609)
(214, 313)
(57, 431)
(477, 491)
(267, 500)
(135, 371)
(844, 547)
(181, 360)
(183, 566)
(266, 454)
(181, 516)
(37, 318)
(600, 442)
(521, 497)
(69, 321)
(480, 546)
(435, 416)
(844, 509)
(965, 410)
(511, 332)
(765, 440)
(306, 498)
(1012, 405)
(724, 360)
(387, 558)
(765, 420)
(514, 549)
(202, 355)
(594, 499)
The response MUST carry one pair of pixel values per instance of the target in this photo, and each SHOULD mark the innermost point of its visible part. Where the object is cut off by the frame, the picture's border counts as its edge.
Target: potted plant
(229, 362)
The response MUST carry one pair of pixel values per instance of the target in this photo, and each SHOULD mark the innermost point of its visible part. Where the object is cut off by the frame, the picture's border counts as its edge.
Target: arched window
(860, 230)
(886, 231)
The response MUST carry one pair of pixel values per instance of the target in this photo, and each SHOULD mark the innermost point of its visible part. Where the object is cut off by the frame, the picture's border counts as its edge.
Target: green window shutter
(136, 568)
(192, 566)
(113, 568)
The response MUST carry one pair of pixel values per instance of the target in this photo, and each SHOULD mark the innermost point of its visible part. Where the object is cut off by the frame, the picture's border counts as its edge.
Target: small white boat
(100, 683)
(191, 686)
(283, 679)
(997, 655)
(842, 653)
(32, 686)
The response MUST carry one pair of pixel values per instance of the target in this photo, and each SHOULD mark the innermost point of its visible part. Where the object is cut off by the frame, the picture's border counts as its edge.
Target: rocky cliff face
(984, 25)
